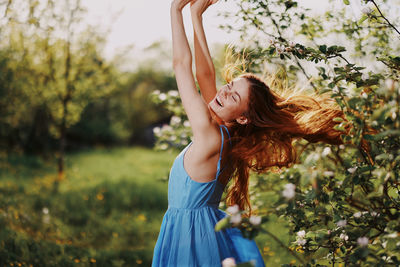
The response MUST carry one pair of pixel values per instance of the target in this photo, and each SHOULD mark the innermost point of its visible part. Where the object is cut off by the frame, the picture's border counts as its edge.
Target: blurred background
(86, 90)
(80, 182)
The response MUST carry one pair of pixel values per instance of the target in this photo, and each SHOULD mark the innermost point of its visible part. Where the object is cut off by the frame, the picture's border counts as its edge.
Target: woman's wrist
(175, 7)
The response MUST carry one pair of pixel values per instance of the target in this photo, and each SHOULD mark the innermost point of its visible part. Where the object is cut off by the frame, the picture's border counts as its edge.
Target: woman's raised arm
(196, 109)
(205, 71)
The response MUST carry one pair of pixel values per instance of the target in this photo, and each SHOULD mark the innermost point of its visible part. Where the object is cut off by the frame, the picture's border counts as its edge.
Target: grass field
(107, 211)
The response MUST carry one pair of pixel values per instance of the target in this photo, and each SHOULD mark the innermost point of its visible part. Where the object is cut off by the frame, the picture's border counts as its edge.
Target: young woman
(244, 126)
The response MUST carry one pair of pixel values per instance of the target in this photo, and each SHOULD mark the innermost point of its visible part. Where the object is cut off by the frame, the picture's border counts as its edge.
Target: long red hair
(275, 121)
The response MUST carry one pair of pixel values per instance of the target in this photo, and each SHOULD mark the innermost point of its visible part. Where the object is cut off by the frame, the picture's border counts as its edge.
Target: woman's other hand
(180, 4)
(198, 7)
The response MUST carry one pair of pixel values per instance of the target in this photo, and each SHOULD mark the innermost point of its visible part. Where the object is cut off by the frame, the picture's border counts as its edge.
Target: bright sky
(143, 22)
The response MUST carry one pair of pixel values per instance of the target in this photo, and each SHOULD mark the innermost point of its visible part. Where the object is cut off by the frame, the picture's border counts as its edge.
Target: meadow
(106, 212)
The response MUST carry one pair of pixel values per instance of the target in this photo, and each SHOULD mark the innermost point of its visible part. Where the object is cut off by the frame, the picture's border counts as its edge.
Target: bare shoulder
(207, 141)
(201, 158)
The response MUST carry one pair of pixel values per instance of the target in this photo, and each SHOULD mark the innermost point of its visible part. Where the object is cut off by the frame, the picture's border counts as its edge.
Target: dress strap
(222, 147)
(229, 136)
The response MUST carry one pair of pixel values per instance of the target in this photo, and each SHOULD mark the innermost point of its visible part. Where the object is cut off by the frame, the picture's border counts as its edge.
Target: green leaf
(364, 17)
(346, 2)
(369, 137)
(222, 224)
(339, 128)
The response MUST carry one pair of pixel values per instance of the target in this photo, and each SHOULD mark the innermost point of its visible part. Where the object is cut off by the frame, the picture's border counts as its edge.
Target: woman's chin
(214, 115)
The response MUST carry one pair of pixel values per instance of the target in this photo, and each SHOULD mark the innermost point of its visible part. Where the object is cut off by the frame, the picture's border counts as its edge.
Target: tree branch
(390, 24)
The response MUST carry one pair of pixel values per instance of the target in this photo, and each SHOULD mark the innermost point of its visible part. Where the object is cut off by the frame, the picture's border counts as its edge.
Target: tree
(61, 68)
(341, 203)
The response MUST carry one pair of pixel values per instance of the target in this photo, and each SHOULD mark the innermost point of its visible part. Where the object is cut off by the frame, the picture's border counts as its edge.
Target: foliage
(55, 83)
(342, 204)
(53, 70)
(102, 215)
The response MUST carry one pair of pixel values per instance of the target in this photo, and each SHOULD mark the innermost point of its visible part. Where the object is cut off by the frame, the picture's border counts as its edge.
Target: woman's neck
(215, 117)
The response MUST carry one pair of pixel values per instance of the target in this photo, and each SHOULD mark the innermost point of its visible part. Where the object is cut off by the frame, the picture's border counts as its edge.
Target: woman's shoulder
(208, 142)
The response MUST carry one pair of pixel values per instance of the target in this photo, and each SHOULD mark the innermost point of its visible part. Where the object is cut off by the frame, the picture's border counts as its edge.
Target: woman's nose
(225, 92)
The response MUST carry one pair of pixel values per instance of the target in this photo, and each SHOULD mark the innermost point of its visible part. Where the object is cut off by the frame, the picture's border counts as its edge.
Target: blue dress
(187, 237)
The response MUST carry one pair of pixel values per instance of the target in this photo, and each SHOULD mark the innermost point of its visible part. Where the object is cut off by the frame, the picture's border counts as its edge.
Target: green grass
(107, 211)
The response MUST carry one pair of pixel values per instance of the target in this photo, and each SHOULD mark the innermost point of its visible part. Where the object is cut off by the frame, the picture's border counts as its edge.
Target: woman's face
(231, 101)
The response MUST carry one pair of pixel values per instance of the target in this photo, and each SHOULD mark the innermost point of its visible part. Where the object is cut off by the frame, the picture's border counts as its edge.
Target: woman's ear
(242, 120)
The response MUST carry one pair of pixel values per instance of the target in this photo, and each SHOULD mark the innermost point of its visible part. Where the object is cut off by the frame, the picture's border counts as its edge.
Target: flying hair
(278, 113)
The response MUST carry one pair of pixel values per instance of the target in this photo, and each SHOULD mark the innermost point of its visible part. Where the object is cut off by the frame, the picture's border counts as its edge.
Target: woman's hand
(180, 4)
(198, 7)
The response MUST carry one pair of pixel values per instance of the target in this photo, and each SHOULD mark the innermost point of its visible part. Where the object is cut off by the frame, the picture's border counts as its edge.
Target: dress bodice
(186, 193)
(187, 237)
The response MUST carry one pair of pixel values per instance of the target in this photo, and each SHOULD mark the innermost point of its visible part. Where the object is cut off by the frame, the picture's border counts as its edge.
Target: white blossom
(301, 241)
(289, 192)
(162, 96)
(255, 220)
(229, 262)
(233, 209)
(364, 95)
(175, 120)
(301, 234)
(292, 44)
(362, 241)
(280, 49)
(156, 130)
(357, 214)
(186, 123)
(392, 235)
(45, 210)
(326, 152)
(173, 93)
(329, 173)
(341, 223)
(236, 218)
(344, 237)
(374, 213)
(163, 146)
(389, 83)
(342, 146)
(166, 128)
(366, 10)
(352, 170)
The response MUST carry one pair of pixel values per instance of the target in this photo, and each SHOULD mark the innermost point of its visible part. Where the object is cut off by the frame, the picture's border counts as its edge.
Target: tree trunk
(63, 126)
